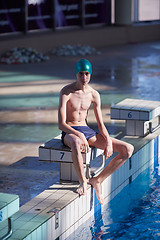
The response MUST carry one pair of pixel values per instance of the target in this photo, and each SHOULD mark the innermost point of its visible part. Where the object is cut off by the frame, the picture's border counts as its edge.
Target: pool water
(29, 101)
(133, 214)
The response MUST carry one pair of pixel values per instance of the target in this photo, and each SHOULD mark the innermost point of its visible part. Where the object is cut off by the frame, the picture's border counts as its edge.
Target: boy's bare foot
(97, 187)
(81, 190)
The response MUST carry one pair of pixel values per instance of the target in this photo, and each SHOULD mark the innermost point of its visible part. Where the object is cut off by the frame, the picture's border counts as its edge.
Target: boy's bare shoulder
(68, 89)
(95, 93)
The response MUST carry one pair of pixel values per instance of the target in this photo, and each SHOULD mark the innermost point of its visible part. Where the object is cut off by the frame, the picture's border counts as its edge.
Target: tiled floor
(29, 101)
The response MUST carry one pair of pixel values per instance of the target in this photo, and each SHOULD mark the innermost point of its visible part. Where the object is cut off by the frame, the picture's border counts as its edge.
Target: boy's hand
(84, 144)
(109, 149)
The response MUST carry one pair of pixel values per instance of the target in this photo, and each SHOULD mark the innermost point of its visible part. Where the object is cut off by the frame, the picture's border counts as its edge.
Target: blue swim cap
(83, 65)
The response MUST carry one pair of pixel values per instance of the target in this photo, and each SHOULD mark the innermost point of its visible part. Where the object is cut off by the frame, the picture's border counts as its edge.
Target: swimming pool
(26, 118)
(133, 214)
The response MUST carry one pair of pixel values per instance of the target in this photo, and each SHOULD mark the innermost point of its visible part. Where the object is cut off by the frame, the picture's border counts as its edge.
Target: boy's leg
(125, 151)
(74, 143)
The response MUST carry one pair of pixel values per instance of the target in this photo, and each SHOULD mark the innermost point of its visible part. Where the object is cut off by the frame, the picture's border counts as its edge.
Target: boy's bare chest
(80, 102)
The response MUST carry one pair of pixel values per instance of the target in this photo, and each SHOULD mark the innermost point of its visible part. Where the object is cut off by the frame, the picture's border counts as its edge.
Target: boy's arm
(62, 110)
(98, 114)
(62, 124)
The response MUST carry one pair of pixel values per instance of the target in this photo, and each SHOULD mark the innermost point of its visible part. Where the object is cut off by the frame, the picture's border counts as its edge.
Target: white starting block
(55, 151)
(142, 116)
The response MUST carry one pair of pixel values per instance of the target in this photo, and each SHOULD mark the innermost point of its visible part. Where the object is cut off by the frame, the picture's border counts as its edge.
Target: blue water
(133, 214)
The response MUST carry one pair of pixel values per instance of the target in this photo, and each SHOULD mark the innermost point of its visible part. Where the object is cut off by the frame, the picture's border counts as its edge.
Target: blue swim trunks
(87, 131)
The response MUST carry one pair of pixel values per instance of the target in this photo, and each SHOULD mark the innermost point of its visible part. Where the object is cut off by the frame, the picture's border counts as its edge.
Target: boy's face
(83, 77)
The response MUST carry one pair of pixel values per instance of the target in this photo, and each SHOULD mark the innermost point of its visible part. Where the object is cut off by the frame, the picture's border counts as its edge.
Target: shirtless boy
(74, 102)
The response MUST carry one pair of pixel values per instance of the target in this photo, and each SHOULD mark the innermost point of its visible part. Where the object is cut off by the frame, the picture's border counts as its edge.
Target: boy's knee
(127, 151)
(76, 143)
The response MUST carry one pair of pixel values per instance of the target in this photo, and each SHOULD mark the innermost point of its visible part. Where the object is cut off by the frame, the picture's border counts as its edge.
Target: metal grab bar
(91, 175)
(151, 129)
(9, 233)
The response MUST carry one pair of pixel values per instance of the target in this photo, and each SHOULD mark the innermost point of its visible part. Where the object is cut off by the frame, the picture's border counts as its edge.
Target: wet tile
(20, 234)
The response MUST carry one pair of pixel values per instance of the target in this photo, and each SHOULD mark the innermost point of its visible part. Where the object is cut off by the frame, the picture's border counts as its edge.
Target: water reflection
(96, 227)
(139, 76)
